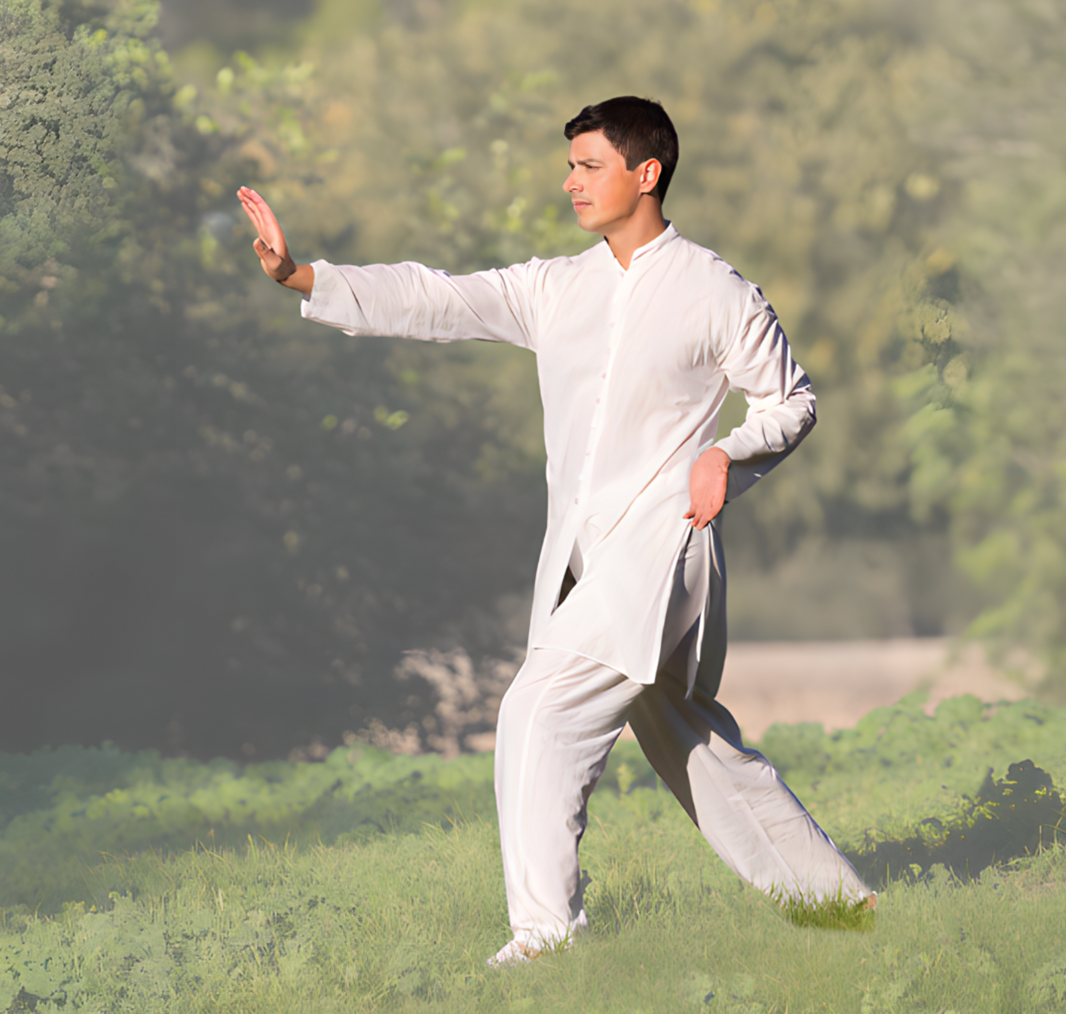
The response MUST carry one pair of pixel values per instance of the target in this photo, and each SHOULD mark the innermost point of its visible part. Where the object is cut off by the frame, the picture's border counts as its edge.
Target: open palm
(269, 244)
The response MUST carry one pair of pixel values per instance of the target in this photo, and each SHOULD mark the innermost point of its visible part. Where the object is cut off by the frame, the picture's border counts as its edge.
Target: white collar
(664, 237)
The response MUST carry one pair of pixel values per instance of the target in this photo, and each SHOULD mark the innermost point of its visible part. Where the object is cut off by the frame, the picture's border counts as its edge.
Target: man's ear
(649, 175)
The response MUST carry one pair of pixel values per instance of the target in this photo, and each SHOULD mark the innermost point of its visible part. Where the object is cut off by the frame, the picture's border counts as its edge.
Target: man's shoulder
(710, 272)
(702, 258)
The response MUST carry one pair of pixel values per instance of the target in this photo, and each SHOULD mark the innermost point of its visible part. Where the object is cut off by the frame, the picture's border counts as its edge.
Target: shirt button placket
(612, 345)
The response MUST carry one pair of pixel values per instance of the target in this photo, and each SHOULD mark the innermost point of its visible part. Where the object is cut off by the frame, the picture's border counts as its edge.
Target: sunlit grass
(405, 923)
(388, 895)
(833, 914)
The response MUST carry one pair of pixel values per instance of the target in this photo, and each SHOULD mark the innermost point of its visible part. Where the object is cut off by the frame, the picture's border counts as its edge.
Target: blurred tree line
(221, 526)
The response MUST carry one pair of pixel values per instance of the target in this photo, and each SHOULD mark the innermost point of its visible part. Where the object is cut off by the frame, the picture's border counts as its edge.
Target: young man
(637, 341)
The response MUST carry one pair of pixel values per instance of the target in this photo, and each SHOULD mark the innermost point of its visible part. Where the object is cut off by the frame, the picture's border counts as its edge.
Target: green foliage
(901, 780)
(185, 933)
(937, 758)
(165, 411)
(985, 435)
(1011, 817)
(405, 924)
(62, 809)
(80, 79)
(832, 914)
(81, 83)
(382, 889)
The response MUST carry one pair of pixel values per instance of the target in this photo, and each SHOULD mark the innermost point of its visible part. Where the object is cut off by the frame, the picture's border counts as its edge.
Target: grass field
(395, 917)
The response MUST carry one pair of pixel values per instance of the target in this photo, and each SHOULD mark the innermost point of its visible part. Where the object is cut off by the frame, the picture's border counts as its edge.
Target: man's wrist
(287, 269)
(302, 279)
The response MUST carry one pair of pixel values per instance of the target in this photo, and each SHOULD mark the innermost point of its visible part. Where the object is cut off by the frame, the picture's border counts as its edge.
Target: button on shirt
(633, 366)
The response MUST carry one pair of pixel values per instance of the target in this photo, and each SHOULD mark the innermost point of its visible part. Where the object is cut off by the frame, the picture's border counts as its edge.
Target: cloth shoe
(514, 953)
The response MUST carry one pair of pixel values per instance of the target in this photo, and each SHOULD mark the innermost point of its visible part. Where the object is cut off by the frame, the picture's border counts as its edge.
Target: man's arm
(755, 356)
(400, 300)
(270, 245)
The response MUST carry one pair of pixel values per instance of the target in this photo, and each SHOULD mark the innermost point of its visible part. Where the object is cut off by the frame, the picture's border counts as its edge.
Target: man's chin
(589, 224)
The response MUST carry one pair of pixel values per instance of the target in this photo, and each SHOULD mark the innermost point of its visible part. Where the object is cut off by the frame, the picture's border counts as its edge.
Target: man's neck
(627, 237)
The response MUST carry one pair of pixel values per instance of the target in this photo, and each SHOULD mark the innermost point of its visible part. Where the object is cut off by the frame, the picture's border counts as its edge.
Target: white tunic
(634, 366)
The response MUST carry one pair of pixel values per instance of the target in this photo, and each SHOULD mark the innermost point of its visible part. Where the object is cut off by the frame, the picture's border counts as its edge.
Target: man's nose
(570, 184)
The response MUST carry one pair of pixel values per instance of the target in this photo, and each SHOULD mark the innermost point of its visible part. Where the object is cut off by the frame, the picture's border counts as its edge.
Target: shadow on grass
(1011, 818)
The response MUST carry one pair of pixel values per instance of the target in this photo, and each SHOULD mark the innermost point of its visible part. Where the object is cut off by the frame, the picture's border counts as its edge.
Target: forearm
(766, 439)
(781, 405)
(774, 429)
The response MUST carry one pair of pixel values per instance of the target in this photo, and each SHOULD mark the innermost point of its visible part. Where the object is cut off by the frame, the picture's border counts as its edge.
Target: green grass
(400, 903)
(405, 923)
(62, 810)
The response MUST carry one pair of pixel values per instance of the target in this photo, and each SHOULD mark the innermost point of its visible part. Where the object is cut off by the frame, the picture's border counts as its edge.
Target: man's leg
(736, 799)
(557, 724)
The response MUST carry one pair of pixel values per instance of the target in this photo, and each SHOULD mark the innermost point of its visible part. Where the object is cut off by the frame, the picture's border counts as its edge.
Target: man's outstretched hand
(270, 245)
(706, 485)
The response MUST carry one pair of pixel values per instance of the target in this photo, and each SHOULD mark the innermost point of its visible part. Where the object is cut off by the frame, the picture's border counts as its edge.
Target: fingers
(257, 208)
(698, 522)
(247, 198)
(252, 211)
(250, 198)
(703, 517)
(258, 211)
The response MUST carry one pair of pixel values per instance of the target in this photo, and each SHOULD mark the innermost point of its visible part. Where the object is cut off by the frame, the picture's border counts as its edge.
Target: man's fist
(706, 487)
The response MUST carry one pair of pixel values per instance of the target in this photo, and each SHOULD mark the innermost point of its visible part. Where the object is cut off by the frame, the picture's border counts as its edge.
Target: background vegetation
(221, 527)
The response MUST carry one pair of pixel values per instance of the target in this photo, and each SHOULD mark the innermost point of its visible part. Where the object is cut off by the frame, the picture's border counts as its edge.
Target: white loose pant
(557, 724)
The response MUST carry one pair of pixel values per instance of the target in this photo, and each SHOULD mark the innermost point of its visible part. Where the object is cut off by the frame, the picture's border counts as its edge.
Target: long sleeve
(412, 301)
(757, 361)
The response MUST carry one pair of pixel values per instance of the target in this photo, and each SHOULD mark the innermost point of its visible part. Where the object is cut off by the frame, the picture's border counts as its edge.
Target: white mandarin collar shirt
(634, 365)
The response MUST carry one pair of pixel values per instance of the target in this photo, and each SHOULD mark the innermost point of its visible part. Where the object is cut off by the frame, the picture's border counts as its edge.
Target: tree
(238, 522)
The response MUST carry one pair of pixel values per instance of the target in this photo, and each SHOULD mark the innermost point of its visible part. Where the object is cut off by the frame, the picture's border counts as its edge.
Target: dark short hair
(638, 129)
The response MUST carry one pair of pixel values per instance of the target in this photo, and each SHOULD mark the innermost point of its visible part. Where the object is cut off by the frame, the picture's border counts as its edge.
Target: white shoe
(514, 953)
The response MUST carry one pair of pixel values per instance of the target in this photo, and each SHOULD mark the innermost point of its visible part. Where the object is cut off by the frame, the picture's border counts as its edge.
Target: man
(638, 341)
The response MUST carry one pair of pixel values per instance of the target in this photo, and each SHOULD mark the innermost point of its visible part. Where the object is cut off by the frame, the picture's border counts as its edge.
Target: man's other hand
(270, 245)
(706, 486)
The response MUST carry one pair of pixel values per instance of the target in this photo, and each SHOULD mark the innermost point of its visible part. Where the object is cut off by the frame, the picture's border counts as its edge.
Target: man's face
(604, 192)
